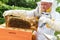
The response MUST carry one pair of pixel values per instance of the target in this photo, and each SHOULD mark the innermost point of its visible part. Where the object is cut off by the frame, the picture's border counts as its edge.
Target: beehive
(25, 27)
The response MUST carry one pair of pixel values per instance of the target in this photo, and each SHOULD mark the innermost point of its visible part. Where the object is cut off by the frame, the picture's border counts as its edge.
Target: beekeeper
(49, 19)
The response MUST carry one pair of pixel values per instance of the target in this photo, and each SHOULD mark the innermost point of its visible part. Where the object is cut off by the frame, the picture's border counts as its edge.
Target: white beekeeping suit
(43, 32)
(18, 13)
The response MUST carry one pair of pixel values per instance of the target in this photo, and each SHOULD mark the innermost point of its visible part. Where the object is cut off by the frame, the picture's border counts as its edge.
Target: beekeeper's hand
(54, 24)
(49, 22)
(44, 19)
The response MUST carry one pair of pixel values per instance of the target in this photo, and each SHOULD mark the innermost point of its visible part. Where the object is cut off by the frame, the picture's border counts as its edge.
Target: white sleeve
(28, 13)
(38, 9)
(56, 23)
(53, 23)
(14, 12)
(19, 13)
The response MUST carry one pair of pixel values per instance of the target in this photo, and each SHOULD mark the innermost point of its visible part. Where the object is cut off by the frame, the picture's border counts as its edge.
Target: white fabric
(56, 24)
(14, 12)
(43, 19)
(44, 29)
(53, 24)
(29, 13)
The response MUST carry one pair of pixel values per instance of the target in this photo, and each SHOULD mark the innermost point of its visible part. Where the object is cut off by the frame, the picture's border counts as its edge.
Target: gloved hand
(54, 24)
(44, 19)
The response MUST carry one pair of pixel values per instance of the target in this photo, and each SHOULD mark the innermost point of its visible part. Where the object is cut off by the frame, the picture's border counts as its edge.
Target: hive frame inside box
(35, 24)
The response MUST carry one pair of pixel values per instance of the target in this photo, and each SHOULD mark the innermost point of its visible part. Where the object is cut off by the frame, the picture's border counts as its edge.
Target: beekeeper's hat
(54, 4)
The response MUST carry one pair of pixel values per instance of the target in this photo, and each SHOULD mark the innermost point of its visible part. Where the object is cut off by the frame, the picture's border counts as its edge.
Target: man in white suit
(49, 21)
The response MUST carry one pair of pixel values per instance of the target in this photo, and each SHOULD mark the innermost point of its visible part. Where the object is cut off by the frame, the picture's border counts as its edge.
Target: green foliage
(58, 9)
(5, 1)
(58, 1)
(57, 33)
(2, 20)
(21, 3)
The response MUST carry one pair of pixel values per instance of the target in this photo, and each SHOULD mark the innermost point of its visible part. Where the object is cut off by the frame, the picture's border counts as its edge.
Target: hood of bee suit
(54, 4)
(53, 7)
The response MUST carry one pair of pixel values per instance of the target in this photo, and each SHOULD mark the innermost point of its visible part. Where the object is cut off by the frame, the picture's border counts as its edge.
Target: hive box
(7, 34)
(27, 24)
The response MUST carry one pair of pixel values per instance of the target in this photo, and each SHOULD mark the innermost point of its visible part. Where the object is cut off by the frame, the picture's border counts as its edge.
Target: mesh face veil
(47, 5)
